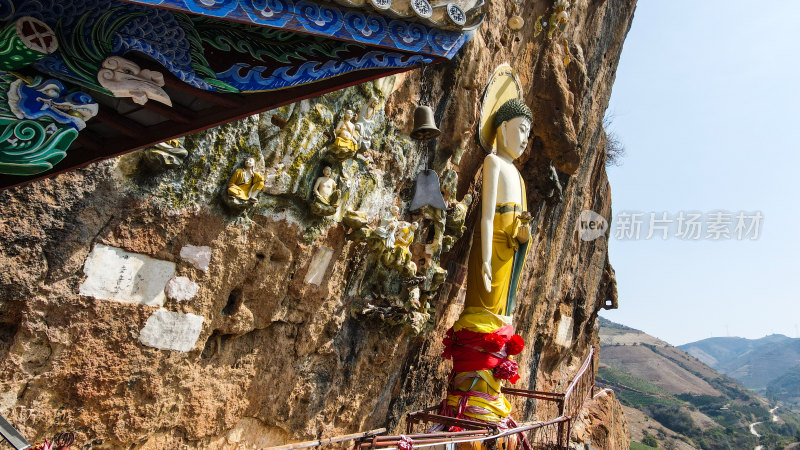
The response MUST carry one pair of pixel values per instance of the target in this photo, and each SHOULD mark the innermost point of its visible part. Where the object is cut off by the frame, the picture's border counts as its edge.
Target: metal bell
(428, 191)
(424, 125)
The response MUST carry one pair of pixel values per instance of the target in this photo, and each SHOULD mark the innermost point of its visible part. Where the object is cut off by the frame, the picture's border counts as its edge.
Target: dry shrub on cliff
(615, 149)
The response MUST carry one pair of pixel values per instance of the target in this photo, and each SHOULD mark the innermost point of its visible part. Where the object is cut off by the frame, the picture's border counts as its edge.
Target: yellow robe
(239, 188)
(485, 312)
(504, 246)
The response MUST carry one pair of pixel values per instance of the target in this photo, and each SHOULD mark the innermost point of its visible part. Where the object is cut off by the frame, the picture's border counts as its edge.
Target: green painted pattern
(14, 54)
(27, 149)
(266, 43)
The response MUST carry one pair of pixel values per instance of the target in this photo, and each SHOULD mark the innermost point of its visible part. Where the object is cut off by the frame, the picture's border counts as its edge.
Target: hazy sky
(707, 103)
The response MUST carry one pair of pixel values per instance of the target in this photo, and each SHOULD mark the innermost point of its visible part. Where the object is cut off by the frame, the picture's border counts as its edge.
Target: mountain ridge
(753, 362)
(673, 400)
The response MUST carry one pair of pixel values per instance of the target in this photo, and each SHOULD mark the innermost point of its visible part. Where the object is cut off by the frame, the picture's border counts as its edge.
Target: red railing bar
(435, 435)
(519, 429)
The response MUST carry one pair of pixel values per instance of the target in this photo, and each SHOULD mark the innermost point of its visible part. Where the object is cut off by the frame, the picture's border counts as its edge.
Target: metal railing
(551, 434)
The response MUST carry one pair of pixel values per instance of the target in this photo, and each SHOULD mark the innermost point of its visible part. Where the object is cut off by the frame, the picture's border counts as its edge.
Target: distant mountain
(786, 388)
(752, 362)
(674, 400)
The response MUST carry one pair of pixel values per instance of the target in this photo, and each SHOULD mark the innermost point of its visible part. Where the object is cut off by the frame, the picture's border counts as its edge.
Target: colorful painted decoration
(125, 78)
(39, 121)
(24, 42)
(258, 58)
(119, 48)
(335, 22)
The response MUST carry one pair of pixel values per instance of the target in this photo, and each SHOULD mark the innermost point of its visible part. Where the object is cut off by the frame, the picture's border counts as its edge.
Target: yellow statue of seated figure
(347, 137)
(245, 183)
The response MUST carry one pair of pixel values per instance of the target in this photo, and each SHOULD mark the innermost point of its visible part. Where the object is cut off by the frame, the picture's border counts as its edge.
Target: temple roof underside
(82, 81)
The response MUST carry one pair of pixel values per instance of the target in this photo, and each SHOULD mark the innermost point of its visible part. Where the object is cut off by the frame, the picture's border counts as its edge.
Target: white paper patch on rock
(564, 332)
(319, 264)
(115, 274)
(167, 330)
(199, 256)
(181, 289)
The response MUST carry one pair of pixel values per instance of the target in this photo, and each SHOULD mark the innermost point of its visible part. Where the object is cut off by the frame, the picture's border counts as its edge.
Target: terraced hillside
(672, 400)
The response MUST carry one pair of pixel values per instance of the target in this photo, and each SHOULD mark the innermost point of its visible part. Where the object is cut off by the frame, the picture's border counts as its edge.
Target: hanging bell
(424, 125)
(427, 191)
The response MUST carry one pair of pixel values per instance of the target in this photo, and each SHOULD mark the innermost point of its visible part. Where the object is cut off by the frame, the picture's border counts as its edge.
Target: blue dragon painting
(258, 58)
(39, 120)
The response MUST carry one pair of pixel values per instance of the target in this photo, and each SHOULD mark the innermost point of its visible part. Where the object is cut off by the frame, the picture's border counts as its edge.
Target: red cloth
(473, 351)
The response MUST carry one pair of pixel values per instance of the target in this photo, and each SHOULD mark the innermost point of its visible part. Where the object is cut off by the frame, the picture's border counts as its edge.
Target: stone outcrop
(285, 350)
(601, 424)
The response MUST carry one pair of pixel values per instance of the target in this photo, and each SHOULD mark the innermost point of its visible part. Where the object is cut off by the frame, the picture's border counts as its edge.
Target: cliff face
(275, 326)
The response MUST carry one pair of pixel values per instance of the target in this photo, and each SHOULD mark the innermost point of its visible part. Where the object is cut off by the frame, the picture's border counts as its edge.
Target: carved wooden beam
(120, 123)
(217, 99)
(175, 112)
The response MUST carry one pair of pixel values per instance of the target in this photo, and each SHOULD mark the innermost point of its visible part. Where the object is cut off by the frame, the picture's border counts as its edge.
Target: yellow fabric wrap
(503, 247)
(240, 188)
(345, 143)
(481, 320)
(498, 409)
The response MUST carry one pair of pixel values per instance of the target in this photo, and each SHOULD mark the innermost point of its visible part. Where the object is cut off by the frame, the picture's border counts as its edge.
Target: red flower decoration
(515, 345)
(493, 342)
(507, 370)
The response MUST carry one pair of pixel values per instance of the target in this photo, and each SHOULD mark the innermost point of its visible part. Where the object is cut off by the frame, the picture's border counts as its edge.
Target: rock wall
(602, 424)
(273, 325)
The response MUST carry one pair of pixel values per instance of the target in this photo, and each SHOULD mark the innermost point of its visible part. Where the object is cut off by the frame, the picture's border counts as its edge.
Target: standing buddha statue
(482, 340)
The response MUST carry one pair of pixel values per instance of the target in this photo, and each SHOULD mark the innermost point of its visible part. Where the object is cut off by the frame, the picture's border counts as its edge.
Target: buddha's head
(326, 171)
(348, 114)
(513, 125)
(249, 163)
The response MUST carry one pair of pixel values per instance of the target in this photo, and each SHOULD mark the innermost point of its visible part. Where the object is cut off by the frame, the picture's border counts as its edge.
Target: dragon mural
(117, 49)
(247, 58)
(39, 121)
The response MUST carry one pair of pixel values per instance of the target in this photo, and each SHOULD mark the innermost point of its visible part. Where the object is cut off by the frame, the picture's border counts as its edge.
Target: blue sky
(707, 104)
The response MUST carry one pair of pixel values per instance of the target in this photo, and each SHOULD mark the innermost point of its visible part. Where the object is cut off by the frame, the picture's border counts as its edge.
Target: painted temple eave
(360, 44)
(331, 21)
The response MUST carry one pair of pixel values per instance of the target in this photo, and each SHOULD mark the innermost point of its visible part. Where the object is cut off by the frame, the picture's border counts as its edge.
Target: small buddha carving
(454, 225)
(326, 196)
(347, 137)
(399, 257)
(245, 184)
